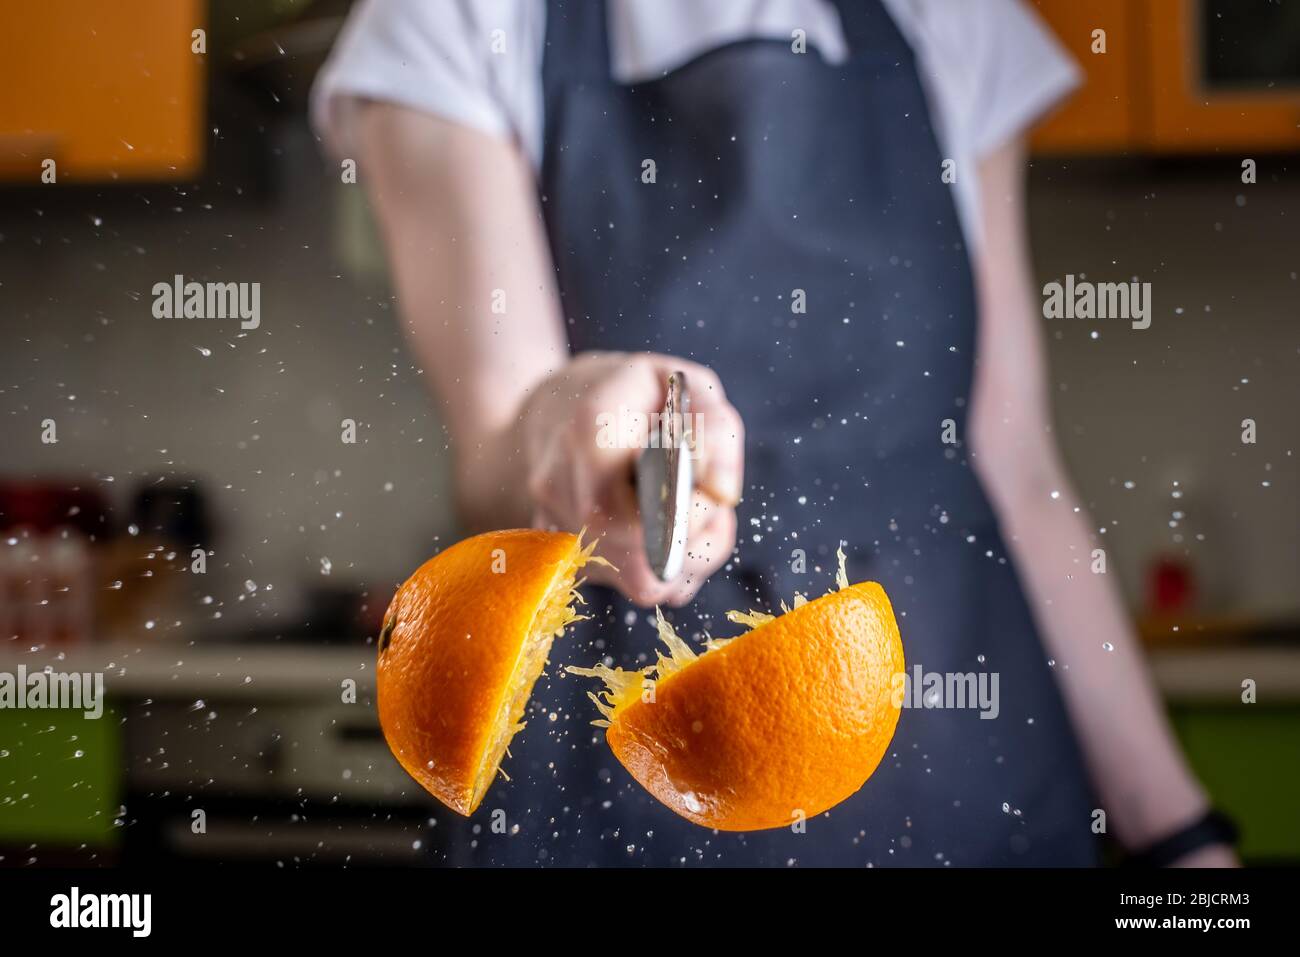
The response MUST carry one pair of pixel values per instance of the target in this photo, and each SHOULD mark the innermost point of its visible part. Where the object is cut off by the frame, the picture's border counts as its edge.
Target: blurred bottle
(47, 577)
(71, 582)
(1171, 586)
(1189, 569)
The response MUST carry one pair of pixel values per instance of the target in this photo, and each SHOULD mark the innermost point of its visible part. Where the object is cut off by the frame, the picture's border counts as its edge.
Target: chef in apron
(770, 202)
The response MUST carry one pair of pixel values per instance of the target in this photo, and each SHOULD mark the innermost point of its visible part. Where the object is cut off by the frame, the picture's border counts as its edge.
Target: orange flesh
(554, 614)
(624, 687)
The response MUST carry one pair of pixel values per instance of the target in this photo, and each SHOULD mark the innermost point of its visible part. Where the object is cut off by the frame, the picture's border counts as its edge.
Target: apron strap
(869, 28)
(577, 40)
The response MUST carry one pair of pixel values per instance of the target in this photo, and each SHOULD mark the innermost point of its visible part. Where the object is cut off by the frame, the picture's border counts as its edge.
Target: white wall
(1165, 404)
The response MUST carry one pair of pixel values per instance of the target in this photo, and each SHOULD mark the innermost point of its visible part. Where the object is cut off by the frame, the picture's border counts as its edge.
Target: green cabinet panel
(60, 778)
(1248, 756)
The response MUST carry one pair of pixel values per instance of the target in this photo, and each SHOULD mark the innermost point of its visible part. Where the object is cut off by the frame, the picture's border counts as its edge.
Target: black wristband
(1213, 827)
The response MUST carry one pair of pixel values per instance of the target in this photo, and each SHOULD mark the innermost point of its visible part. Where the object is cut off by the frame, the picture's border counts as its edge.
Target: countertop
(216, 669)
(1197, 674)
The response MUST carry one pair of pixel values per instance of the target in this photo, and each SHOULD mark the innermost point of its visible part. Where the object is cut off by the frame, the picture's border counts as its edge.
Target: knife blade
(665, 480)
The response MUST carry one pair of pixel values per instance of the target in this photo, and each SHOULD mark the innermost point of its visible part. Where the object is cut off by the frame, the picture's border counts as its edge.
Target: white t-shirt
(989, 67)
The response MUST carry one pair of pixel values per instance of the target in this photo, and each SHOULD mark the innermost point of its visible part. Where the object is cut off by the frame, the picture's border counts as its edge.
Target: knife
(665, 481)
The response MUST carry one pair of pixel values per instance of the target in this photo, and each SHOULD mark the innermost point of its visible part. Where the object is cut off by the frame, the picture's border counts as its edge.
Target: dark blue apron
(777, 172)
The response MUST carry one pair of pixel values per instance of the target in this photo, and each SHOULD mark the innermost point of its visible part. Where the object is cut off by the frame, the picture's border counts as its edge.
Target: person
(816, 210)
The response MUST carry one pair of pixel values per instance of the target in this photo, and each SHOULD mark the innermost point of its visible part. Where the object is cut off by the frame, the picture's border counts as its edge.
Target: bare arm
(1144, 784)
(460, 222)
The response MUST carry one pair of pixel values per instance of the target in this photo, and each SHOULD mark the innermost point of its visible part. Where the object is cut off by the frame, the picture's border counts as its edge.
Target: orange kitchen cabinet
(1187, 117)
(1147, 93)
(1103, 114)
(108, 90)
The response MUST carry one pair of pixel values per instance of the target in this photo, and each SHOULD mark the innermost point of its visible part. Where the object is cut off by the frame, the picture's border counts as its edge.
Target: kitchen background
(184, 432)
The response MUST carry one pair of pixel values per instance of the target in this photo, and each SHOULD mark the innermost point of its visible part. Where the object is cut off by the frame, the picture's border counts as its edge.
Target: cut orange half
(776, 725)
(463, 642)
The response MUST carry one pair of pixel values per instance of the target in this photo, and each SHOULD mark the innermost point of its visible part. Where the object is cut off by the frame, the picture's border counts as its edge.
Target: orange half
(776, 725)
(463, 642)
